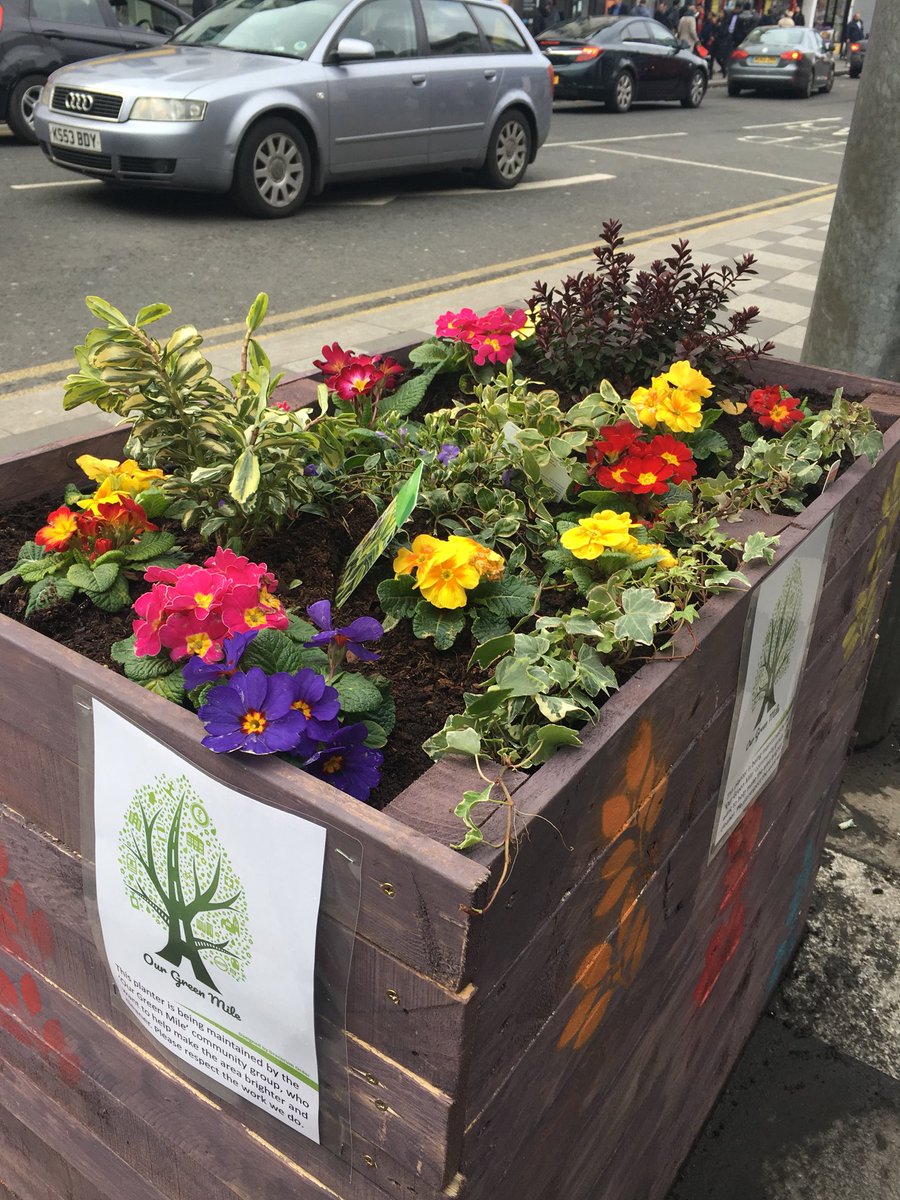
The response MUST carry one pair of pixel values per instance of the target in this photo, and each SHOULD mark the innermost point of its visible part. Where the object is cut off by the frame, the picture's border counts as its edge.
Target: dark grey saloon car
(269, 100)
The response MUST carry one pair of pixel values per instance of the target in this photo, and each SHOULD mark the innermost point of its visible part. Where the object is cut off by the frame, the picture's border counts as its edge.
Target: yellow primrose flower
(446, 577)
(134, 479)
(525, 331)
(680, 412)
(488, 563)
(604, 530)
(408, 561)
(117, 479)
(106, 493)
(646, 401)
(648, 549)
(689, 381)
(97, 468)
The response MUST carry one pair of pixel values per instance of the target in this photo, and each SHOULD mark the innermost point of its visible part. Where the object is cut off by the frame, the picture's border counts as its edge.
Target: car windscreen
(771, 35)
(288, 28)
(580, 29)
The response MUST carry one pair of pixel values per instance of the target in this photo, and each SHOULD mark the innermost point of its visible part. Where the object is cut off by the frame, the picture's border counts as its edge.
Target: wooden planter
(571, 1041)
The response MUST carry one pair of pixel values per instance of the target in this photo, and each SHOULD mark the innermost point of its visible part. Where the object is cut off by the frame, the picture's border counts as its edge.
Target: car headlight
(47, 94)
(155, 108)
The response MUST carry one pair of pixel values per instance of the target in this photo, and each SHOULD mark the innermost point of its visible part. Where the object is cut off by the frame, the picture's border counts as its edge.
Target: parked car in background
(856, 55)
(269, 99)
(38, 36)
(622, 60)
(772, 58)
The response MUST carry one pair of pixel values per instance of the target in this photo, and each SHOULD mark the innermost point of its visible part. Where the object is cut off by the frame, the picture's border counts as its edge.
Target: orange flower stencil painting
(611, 964)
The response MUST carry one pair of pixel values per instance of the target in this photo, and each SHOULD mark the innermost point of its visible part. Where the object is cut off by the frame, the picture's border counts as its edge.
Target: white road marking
(533, 185)
(813, 121)
(24, 187)
(686, 162)
(636, 137)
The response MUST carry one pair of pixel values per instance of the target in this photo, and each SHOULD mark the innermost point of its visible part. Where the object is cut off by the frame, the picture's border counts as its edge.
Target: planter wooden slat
(477, 1063)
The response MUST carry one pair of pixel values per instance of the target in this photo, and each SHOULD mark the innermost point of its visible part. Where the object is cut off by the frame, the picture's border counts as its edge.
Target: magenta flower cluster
(191, 610)
(490, 336)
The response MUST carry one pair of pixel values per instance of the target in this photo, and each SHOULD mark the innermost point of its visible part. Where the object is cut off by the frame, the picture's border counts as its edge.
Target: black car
(621, 60)
(856, 52)
(37, 36)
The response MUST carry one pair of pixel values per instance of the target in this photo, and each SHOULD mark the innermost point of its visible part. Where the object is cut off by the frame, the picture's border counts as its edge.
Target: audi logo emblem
(79, 102)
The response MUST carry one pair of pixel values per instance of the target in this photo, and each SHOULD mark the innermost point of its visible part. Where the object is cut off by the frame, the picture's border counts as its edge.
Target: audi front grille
(79, 103)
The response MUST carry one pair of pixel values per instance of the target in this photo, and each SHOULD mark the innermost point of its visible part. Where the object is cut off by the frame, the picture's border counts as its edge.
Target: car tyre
(696, 90)
(621, 97)
(807, 91)
(509, 151)
(272, 170)
(829, 82)
(733, 89)
(20, 110)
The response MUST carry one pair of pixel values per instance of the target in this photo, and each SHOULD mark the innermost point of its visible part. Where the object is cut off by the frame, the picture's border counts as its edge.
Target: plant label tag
(776, 640)
(208, 904)
(377, 539)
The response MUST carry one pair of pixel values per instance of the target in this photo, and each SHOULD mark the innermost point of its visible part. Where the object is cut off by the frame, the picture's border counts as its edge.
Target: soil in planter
(427, 685)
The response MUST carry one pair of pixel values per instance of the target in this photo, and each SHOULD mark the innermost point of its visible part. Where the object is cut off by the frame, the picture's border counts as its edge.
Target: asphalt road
(62, 237)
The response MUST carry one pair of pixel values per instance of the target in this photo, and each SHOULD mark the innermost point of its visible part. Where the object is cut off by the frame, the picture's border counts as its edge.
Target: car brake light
(739, 54)
(1, 16)
(792, 55)
(854, 46)
(548, 42)
(551, 71)
(587, 53)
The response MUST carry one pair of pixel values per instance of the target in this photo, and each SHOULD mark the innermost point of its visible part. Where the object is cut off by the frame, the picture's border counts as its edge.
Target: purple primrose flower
(317, 703)
(196, 671)
(252, 712)
(448, 452)
(346, 763)
(346, 638)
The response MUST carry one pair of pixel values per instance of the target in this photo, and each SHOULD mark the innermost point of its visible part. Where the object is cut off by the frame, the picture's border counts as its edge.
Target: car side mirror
(353, 49)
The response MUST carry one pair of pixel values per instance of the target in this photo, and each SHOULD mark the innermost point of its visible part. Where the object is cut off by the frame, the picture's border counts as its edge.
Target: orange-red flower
(61, 527)
(677, 454)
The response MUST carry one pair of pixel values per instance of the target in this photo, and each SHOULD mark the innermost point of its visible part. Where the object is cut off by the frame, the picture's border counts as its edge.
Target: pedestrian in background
(742, 24)
(720, 49)
(687, 30)
(641, 10)
(797, 14)
(786, 21)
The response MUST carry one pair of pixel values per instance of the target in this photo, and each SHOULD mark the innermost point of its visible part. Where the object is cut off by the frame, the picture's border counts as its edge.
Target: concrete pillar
(854, 324)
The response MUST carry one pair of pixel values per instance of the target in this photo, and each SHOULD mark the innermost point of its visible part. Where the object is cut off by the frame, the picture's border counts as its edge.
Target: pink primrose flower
(200, 591)
(237, 568)
(357, 380)
(152, 610)
(183, 635)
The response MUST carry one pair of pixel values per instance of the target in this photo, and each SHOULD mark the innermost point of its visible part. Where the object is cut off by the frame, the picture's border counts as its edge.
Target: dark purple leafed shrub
(625, 326)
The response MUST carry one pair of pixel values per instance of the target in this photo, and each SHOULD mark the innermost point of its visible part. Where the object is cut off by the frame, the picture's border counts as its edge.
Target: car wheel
(807, 89)
(509, 151)
(272, 170)
(696, 90)
(829, 82)
(733, 89)
(622, 95)
(22, 101)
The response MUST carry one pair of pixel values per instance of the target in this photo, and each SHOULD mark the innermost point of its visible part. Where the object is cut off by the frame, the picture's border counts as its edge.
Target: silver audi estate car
(269, 99)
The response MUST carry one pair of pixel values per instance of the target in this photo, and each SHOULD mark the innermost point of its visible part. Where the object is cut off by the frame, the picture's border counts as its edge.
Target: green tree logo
(176, 871)
(778, 644)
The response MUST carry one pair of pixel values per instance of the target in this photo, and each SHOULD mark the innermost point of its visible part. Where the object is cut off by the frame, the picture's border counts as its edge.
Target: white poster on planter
(776, 640)
(208, 903)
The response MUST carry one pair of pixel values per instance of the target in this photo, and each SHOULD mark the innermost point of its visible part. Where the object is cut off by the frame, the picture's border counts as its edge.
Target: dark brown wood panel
(53, 467)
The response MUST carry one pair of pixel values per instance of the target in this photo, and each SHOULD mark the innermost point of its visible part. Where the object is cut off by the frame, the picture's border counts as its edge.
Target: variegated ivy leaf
(642, 612)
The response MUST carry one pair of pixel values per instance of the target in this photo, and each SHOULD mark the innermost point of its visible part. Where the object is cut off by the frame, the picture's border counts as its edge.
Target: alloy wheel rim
(278, 170)
(623, 90)
(696, 90)
(511, 148)
(29, 103)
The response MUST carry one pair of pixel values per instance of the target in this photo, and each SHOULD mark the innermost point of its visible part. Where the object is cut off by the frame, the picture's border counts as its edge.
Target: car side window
(660, 36)
(68, 12)
(637, 31)
(450, 27)
(144, 14)
(388, 24)
(497, 27)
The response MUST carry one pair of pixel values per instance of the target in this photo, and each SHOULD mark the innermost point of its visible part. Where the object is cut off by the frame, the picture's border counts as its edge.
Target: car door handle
(490, 74)
(418, 80)
(53, 33)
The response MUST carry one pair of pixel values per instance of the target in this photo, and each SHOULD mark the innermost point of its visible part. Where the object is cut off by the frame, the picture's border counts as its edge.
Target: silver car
(269, 100)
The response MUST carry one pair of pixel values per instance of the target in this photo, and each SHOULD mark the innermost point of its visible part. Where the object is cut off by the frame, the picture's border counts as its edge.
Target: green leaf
(464, 741)
(642, 613)
(148, 666)
(592, 672)
(274, 651)
(463, 810)
(508, 597)
(122, 651)
(486, 626)
(47, 593)
(557, 708)
(149, 545)
(760, 545)
(546, 740)
(151, 313)
(93, 580)
(707, 442)
(170, 687)
(410, 394)
(154, 502)
(105, 312)
(245, 479)
(32, 569)
(376, 736)
(357, 694)
(432, 351)
(257, 313)
(114, 598)
(492, 649)
(442, 624)
(398, 597)
(377, 539)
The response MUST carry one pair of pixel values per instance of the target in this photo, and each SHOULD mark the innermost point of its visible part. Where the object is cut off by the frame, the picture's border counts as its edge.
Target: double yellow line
(388, 298)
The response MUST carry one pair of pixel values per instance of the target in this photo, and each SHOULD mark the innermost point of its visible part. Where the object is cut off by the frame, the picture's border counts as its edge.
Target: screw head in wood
(381, 1104)
(392, 996)
(369, 1161)
(388, 889)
